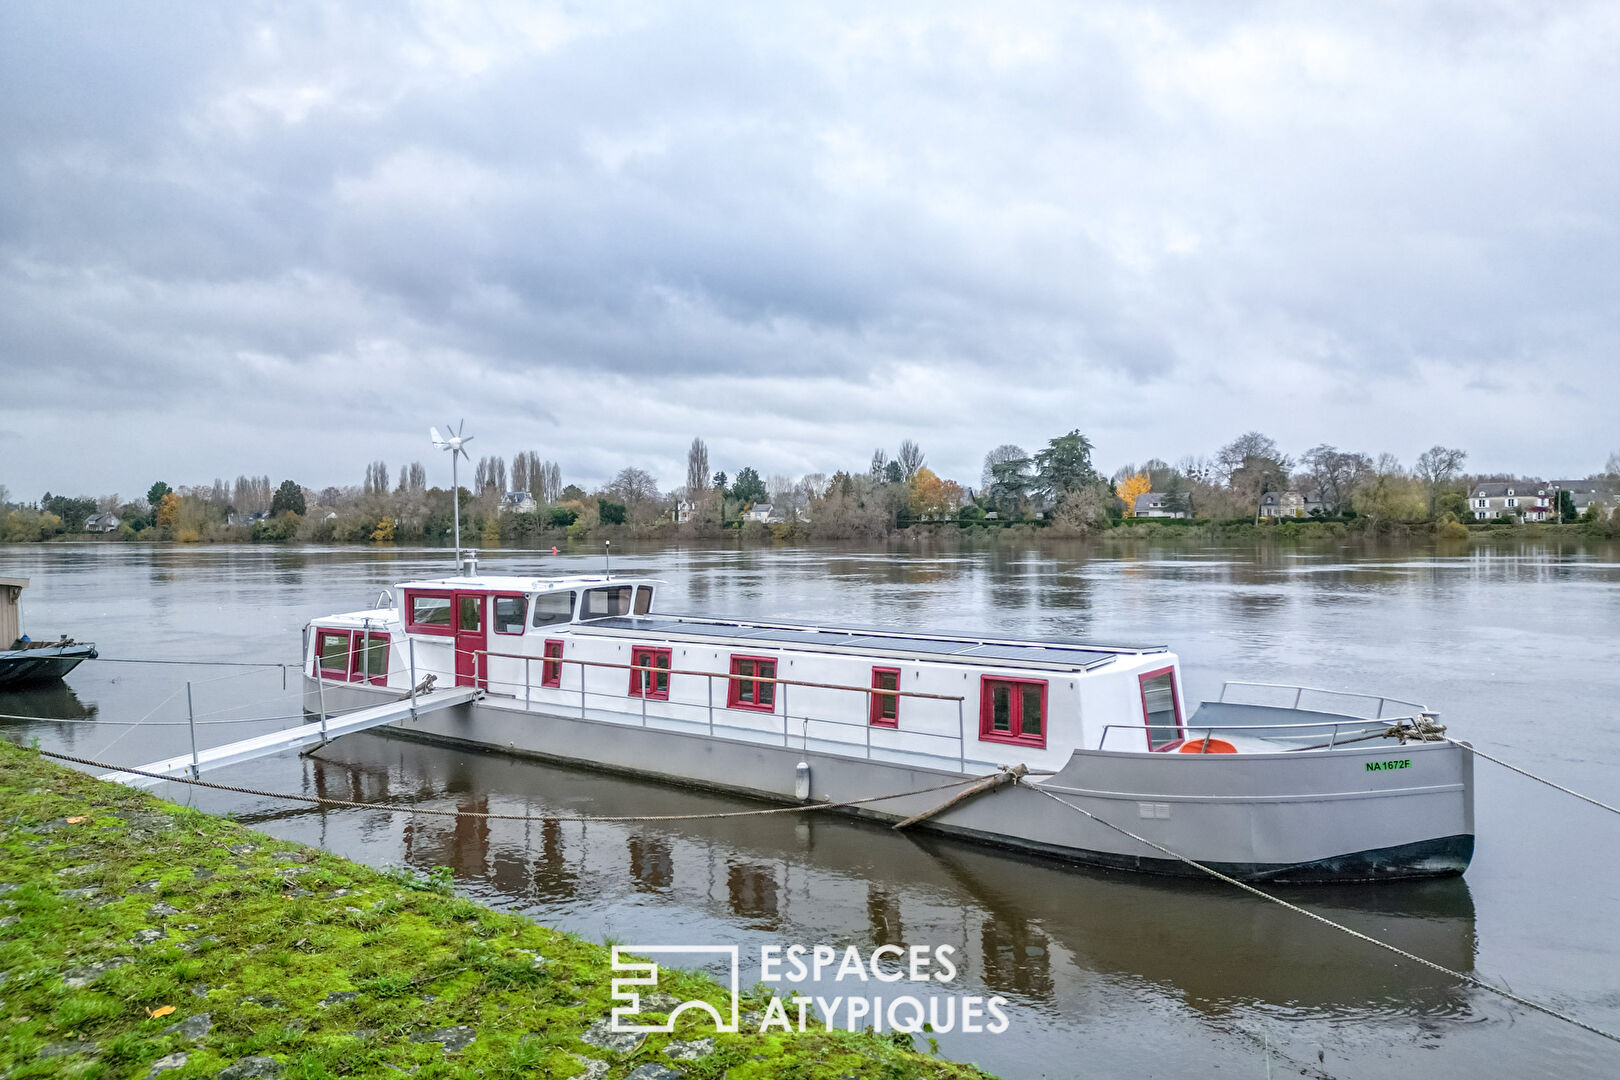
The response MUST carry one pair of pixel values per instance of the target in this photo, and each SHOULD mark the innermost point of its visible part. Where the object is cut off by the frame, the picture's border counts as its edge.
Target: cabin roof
(510, 583)
(1071, 655)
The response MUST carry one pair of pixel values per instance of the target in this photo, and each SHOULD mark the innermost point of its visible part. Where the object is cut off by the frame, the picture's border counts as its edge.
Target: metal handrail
(959, 739)
(1300, 691)
(1361, 724)
(717, 675)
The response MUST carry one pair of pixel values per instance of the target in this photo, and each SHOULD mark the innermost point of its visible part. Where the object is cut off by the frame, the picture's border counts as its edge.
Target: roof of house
(1497, 489)
(1270, 498)
(1149, 500)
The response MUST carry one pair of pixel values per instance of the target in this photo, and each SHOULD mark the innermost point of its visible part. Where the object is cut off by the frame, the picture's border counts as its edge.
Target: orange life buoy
(1216, 746)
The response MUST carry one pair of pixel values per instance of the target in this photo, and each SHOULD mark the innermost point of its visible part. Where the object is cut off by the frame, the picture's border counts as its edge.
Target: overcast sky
(285, 238)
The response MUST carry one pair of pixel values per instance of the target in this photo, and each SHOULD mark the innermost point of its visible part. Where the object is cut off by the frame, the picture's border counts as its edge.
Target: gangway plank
(304, 735)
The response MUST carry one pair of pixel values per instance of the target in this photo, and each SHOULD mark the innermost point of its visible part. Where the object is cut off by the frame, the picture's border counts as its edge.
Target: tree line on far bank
(1055, 487)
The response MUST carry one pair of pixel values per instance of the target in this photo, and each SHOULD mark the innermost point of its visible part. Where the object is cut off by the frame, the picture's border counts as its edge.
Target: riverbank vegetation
(1247, 488)
(143, 939)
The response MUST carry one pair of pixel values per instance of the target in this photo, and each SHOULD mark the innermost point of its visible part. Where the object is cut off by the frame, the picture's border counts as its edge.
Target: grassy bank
(143, 939)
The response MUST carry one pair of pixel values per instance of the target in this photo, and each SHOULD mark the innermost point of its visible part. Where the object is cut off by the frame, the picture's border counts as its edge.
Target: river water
(1104, 974)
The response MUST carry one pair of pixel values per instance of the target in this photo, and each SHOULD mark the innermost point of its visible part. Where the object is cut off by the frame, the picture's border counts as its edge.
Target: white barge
(1267, 783)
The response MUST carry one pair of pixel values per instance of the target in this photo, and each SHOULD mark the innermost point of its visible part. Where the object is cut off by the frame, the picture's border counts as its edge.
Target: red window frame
(647, 656)
(496, 598)
(333, 674)
(876, 702)
(551, 666)
(412, 627)
(1015, 714)
(380, 642)
(1175, 703)
(759, 683)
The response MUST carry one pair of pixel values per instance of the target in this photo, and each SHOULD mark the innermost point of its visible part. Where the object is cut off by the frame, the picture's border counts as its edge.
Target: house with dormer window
(1530, 500)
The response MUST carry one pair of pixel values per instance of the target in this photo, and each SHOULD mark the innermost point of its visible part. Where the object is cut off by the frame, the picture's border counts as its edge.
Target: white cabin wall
(1112, 695)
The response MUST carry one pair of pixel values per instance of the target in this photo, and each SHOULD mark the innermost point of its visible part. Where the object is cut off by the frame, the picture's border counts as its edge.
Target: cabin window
(1013, 710)
(428, 613)
(509, 613)
(644, 599)
(371, 657)
(605, 603)
(885, 708)
(332, 654)
(553, 607)
(751, 686)
(1161, 712)
(649, 674)
(551, 666)
(472, 613)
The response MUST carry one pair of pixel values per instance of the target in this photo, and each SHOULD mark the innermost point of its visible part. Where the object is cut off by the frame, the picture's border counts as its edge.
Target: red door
(472, 660)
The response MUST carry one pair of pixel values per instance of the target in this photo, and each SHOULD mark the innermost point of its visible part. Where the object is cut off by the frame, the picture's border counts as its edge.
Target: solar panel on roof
(1036, 651)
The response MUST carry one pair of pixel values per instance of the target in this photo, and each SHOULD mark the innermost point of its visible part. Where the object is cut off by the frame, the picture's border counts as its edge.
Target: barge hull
(1281, 818)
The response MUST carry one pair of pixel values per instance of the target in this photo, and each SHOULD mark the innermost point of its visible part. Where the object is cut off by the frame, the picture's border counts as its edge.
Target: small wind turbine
(456, 444)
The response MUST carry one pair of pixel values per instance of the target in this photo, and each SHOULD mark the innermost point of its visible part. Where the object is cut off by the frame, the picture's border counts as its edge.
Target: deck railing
(1304, 697)
(1337, 732)
(716, 716)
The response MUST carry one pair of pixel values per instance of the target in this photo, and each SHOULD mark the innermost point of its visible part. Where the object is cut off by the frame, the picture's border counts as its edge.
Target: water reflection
(1036, 933)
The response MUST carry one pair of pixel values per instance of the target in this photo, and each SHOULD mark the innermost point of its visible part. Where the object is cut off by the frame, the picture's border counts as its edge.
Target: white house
(518, 502)
(684, 510)
(1532, 500)
(1291, 503)
(101, 523)
(1150, 504)
(758, 512)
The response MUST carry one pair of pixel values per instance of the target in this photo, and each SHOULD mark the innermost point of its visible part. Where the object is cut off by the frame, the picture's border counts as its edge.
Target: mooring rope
(1472, 980)
(1476, 751)
(396, 809)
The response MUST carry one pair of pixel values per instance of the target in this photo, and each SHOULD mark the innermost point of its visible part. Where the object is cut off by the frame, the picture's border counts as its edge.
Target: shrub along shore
(143, 939)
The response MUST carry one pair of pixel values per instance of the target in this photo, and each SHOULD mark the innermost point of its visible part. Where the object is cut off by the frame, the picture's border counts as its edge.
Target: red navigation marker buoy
(554, 549)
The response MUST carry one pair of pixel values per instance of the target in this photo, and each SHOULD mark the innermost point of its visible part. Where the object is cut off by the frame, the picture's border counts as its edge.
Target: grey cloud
(792, 206)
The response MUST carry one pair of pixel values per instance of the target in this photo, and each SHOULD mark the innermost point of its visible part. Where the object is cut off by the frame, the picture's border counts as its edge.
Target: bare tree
(1436, 467)
(520, 471)
(413, 479)
(910, 458)
(376, 479)
(1242, 450)
(880, 458)
(633, 486)
(1613, 467)
(1336, 474)
(550, 483)
(697, 469)
(1004, 453)
(490, 475)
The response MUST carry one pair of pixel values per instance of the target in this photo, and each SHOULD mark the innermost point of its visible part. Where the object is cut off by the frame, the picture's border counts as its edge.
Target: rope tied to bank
(1472, 980)
(392, 808)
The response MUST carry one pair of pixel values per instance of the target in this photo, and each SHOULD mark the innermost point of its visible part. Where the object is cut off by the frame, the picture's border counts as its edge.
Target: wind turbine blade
(438, 440)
